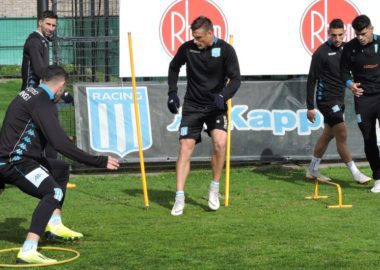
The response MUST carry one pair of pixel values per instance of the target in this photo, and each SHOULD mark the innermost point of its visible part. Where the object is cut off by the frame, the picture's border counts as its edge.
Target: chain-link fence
(86, 42)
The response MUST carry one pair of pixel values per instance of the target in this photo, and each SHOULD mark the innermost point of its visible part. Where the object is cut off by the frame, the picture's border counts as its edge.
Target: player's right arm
(174, 67)
(311, 81)
(36, 51)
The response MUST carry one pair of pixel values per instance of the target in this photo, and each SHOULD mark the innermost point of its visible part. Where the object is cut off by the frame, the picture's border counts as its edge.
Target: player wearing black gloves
(210, 63)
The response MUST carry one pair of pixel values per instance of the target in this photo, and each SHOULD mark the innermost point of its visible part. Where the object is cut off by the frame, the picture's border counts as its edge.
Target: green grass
(8, 90)
(268, 225)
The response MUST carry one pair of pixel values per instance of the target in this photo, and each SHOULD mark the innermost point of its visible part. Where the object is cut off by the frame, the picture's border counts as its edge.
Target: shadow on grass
(281, 173)
(165, 198)
(297, 176)
(102, 197)
(12, 231)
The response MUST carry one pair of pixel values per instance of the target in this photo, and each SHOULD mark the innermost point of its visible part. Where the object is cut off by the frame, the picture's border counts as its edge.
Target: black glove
(67, 98)
(219, 101)
(173, 102)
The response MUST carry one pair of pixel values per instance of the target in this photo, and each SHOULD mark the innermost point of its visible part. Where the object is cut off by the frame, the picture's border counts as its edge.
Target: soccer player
(36, 50)
(325, 71)
(30, 122)
(210, 62)
(360, 71)
(36, 58)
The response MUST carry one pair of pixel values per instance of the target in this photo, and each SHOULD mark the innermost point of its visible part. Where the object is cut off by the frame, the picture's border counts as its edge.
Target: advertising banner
(272, 37)
(269, 122)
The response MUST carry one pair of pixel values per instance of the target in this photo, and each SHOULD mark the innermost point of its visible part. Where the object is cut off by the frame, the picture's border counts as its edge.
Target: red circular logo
(315, 21)
(176, 21)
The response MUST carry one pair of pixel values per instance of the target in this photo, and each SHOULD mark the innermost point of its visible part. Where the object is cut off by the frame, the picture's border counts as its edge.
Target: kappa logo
(278, 121)
(36, 176)
(112, 120)
(315, 21)
(176, 21)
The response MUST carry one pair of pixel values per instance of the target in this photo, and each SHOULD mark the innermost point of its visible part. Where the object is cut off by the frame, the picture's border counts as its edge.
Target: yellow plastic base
(71, 186)
(340, 206)
(312, 197)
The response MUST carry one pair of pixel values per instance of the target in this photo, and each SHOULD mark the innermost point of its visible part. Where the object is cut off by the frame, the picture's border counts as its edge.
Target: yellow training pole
(228, 150)
(137, 115)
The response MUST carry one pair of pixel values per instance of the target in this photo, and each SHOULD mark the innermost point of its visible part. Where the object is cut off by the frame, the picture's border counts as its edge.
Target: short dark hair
(48, 14)
(53, 72)
(202, 22)
(361, 22)
(336, 24)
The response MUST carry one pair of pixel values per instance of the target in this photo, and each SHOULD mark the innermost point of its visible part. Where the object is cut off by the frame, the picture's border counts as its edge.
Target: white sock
(352, 167)
(55, 220)
(29, 245)
(180, 195)
(214, 185)
(314, 164)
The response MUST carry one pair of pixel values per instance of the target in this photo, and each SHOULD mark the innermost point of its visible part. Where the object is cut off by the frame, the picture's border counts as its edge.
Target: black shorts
(332, 112)
(194, 118)
(36, 177)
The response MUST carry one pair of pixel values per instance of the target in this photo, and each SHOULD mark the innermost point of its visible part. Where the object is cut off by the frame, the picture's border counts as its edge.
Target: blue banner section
(112, 119)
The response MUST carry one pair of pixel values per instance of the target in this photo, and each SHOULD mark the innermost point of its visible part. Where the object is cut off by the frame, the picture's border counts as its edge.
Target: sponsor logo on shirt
(194, 51)
(371, 66)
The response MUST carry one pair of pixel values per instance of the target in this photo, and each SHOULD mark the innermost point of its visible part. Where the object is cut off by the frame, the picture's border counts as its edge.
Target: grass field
(269, 224)
(8, 90)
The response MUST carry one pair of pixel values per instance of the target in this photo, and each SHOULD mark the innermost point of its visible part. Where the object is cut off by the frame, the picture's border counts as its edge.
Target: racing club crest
(112, 120)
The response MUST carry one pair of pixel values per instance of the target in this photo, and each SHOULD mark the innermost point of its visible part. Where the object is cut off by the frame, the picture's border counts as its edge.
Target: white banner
(271, 37)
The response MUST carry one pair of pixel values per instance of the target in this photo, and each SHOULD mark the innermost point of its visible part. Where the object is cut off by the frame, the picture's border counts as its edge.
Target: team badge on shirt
(335, 108)
(215, 52)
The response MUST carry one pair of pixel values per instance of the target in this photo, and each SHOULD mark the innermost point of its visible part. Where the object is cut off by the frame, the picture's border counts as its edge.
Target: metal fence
(86, 43)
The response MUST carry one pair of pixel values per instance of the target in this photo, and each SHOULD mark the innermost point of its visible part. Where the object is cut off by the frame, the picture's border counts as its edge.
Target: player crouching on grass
(31, 121)
(210, 63)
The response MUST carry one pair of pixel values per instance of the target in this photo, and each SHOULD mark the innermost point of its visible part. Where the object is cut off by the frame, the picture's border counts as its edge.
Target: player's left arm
(45, 117)
(232, 71)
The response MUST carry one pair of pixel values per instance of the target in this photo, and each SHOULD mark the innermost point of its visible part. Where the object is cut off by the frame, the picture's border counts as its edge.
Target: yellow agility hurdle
(316, 196)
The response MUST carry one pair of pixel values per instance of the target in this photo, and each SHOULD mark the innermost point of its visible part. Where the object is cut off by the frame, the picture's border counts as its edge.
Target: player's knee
(220, 146)
(187, 145)
(54, 196)
(341, 137)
